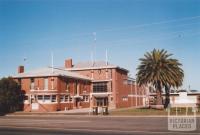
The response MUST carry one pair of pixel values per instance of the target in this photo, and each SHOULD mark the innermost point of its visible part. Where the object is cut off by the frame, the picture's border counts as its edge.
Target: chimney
(68, 63)
(21, 69)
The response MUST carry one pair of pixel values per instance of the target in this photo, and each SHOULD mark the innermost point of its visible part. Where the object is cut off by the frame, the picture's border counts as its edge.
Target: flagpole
(106, 57)
(94, 47)
(52, 70)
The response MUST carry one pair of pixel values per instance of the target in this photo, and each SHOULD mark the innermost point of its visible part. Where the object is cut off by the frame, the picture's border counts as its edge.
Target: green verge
(148, 112)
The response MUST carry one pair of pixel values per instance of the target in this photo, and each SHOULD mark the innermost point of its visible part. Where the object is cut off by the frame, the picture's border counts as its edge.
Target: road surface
(87, 125)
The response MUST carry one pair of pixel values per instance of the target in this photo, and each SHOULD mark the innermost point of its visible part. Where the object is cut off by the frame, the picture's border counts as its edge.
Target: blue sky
(126, 28)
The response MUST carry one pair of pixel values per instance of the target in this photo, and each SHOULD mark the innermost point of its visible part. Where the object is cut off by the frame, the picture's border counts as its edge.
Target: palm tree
(158, 69)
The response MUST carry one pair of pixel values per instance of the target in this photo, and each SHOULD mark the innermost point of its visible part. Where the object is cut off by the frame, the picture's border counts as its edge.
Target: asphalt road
(87, 125)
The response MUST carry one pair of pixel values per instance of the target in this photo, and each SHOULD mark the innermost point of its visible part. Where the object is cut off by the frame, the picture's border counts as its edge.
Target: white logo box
(182, 122)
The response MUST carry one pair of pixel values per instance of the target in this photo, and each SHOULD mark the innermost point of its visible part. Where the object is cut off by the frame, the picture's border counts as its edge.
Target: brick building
(82, 85)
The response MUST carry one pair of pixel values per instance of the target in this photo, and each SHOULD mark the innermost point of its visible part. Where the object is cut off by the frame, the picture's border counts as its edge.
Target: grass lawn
(147, 111)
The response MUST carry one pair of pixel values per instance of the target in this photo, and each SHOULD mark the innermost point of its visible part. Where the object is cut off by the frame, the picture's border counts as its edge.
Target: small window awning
(102, 94)
(77, 96)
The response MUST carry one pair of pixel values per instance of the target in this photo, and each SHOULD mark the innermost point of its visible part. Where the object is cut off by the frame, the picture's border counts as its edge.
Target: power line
(141, 26)
(154, 23)
(157, 36)
(142, 41)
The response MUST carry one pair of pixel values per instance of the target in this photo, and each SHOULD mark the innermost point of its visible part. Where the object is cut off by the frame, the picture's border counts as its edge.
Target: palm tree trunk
(159, 94)
(159, 98)
(167, 96)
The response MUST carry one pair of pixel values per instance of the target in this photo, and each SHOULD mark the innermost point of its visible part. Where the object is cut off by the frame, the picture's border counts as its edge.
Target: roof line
(71, 75)
(103, 67)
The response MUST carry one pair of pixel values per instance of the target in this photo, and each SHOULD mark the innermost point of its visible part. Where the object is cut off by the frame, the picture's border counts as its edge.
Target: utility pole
(94, 47)
(106, 57)
(52, 70)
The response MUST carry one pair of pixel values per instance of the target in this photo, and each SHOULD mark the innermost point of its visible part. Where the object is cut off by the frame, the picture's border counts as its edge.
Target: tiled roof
(93, 65)
(44, 72)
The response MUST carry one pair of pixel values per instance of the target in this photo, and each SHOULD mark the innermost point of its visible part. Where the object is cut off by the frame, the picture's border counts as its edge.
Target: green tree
(158, 69)
(10, 95)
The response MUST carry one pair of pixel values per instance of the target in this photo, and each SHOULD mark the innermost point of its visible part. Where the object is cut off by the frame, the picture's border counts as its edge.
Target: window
(62, 98)
(53, 98)
(70, 99)
(128, 82)
(32, 84)
(86, 98)
(46, 83)
(67, 86)
(40, 97)
(47, 98)
(67, 98)
(25, 97)
(124, 98)
(100, 87)
(52, 83)
(76, 88)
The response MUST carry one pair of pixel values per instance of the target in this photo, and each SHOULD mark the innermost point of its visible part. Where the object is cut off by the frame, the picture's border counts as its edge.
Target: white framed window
(70, 99)
(26, 99)
(32, 86)
(99, 87)
(86, 98)
(76, 86)
(53, 98)
(64, 98)
(124, 98)
(67, 86)
(52, 83)
(47, 98)
(40, 98)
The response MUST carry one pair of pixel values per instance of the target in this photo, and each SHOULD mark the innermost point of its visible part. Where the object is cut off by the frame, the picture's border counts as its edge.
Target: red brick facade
(120, 94)
(108, 86)
(58, 87)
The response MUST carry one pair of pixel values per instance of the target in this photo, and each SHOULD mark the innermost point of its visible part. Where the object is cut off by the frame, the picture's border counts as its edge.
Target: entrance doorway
(102, 101)
(77, 103)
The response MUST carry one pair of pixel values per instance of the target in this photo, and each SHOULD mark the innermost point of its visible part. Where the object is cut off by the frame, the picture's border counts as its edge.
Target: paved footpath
(82, 125)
